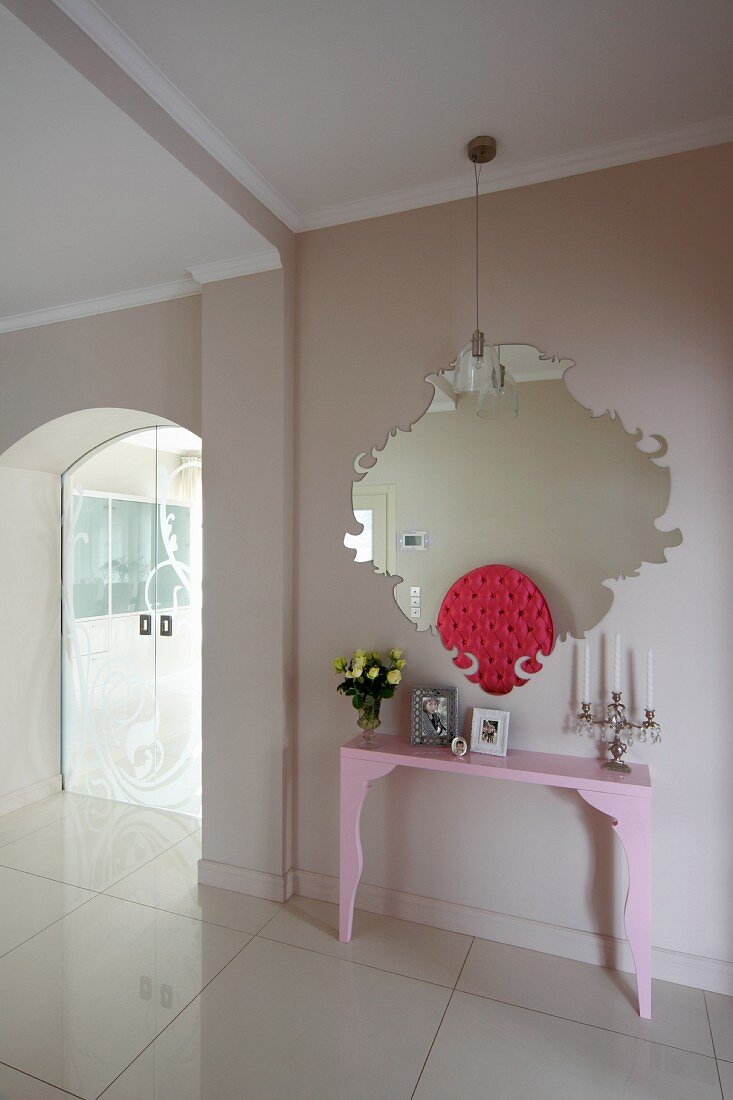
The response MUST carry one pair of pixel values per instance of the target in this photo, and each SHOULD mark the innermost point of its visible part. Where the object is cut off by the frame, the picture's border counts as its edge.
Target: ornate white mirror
(569, 499)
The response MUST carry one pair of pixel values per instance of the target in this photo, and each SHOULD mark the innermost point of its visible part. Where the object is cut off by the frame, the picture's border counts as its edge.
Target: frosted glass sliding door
(178, 641)
(131, 591)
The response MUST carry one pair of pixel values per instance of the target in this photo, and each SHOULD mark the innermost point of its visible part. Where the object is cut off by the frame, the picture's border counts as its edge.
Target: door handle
(166, 626)
(146, 624)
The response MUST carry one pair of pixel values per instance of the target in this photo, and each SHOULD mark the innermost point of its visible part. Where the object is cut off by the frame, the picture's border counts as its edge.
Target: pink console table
(626, 799)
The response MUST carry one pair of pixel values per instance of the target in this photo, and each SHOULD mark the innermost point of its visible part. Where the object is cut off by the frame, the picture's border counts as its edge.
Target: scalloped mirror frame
(570, 499)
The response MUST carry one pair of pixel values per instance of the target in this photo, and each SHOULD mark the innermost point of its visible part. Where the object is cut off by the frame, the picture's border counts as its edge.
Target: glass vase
(368, 722)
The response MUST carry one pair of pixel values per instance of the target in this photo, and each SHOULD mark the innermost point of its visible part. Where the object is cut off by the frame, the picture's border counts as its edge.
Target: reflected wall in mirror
(567, 498)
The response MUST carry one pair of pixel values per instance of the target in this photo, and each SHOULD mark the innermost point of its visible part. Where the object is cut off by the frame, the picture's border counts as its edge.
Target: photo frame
(434, 716)
(489, 731)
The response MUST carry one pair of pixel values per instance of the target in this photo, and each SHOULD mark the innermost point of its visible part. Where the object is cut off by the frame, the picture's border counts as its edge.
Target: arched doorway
(131, 620)
(31, 472)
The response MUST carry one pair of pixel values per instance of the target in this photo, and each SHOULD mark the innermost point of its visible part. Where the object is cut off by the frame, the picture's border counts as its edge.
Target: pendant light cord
(477, 175)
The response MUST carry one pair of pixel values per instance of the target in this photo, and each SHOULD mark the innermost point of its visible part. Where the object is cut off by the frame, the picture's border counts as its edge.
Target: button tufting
(519, 620)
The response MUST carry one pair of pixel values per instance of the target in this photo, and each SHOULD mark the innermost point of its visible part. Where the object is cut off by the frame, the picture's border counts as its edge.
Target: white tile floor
(121, 977)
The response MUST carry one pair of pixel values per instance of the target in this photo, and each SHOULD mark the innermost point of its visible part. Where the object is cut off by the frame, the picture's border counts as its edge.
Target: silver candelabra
(617, 722)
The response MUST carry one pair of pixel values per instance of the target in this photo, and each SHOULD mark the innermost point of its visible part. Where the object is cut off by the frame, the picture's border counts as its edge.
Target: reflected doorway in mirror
(564, 493)
(375, 510)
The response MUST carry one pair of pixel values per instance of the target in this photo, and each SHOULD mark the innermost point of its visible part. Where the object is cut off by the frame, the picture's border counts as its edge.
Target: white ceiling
(328, 111)
(89, 204)
(339, 103)
(177, 441)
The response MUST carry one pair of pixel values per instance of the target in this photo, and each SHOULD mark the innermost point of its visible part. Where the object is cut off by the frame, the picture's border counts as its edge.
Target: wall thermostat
(414, 540)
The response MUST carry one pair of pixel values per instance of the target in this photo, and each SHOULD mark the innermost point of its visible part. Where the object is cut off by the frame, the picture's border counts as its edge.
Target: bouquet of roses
(368, 679)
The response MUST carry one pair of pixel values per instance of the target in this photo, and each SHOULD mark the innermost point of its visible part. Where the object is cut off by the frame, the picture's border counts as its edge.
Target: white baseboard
(15, 800)
(569, 943)
(244, 880)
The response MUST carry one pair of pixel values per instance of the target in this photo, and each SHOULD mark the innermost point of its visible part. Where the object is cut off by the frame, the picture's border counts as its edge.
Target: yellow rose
(359, 653)
(394, 676)
(401, 664)
(356, 669)
(339, 664)
(348, 673)
(395, 654)
(373, 672)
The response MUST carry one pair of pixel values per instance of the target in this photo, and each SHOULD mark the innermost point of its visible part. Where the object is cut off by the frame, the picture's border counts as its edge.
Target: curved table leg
(632, 820)
(356, 779)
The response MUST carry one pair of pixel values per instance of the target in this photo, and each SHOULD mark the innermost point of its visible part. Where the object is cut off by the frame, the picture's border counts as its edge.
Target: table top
(549, 769)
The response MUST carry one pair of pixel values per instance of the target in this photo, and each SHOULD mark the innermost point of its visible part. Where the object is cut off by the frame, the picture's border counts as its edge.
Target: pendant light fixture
(477, 368)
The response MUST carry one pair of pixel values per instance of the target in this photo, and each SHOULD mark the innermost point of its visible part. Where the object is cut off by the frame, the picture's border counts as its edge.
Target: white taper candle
(649, 680)
(586, 674)
(617, 663)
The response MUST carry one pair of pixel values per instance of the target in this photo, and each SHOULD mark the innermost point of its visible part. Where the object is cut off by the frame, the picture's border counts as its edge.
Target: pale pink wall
(147, 358)
(247, 600)
(628, 272)
(220, 364)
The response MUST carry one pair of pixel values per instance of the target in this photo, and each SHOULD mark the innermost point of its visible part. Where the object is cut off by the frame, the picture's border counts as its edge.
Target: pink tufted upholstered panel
(497, 614)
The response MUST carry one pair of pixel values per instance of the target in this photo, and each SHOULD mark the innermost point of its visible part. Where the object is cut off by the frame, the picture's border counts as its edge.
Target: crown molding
(110, 303)
(110, 38)
(268, 260)
(661, 144)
